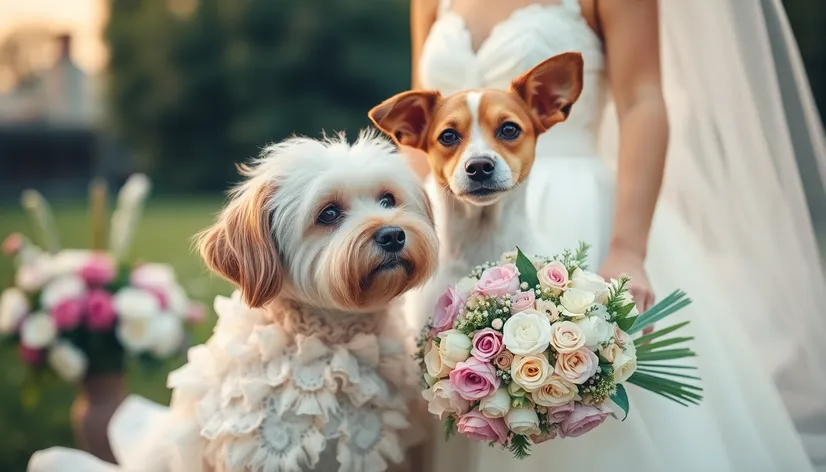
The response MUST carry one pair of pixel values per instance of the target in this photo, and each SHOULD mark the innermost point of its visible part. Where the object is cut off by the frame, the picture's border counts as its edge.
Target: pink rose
(67, 313)
(99, 270)
(522, 301)
(31, 356)
(560, 413)
(474, 379)
(447, 308)
(553, 276)
(498, 281)
(100, 310)
(476, 426)
(578, 366)
(583, 419)
(487, 344)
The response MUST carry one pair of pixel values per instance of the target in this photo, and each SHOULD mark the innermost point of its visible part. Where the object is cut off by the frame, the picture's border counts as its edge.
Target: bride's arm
(422, 16)
(631, 34)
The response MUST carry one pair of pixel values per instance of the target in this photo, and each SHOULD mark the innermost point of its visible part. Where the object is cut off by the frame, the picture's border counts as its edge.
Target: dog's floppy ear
(551, 87)
(241, 248)
(405, 116)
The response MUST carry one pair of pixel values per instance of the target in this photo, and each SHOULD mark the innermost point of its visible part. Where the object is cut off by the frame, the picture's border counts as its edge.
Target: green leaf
(626, 323)
(624, 311)
(527, 272)
(661, 344)
(665, 355)
(658, 333)
(450, 427)
(674, 302)
(520, 446)
(620, 397)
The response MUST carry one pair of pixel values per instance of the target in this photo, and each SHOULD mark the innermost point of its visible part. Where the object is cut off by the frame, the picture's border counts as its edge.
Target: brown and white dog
(481, 146)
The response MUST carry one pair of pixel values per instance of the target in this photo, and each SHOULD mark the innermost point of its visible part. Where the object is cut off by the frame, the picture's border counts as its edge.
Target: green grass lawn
(35, 416)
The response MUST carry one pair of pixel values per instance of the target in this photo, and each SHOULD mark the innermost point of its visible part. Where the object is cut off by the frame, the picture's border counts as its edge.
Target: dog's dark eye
(509, 131)
(449, 137)
(387, 200)
(329, 215)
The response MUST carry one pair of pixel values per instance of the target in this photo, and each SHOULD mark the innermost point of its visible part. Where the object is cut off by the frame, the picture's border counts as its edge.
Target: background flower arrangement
(523, 351)
(78, 311)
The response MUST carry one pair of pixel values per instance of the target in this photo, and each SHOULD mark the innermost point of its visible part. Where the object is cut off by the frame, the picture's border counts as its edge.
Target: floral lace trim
(337, 328)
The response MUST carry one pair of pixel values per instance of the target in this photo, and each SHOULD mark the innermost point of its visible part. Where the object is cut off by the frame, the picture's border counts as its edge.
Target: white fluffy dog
(306, 369)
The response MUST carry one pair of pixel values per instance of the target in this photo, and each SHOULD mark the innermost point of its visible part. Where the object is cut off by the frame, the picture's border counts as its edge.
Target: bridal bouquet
(79, 310)
(527, 350)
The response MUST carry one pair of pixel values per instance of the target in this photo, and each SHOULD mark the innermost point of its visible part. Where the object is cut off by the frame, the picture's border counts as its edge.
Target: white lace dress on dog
(261, 396)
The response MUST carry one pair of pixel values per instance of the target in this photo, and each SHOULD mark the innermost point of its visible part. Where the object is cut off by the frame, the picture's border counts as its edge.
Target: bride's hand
(620, 261)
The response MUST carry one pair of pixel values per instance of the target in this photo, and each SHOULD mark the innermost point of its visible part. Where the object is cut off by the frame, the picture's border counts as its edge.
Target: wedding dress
(742, 424)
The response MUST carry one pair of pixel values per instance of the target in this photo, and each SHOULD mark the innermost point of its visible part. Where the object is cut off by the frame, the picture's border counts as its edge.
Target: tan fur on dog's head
(481, 144)
(339, 226)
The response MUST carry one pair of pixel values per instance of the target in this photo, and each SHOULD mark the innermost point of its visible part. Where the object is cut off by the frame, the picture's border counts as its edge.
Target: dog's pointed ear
(405, 116)
(241, 248)
(551, 87)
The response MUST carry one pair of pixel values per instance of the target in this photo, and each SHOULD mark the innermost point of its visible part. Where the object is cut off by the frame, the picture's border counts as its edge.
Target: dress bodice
(528, 36)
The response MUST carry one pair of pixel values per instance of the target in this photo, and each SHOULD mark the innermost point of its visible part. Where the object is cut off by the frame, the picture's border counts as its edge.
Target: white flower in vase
(32, 275)
(153, 275)
(68, 361)
(167, 334)
(62, 288)
(136, 334)
(38, 331)
(134, 303)
(70, 261)
(13, 308)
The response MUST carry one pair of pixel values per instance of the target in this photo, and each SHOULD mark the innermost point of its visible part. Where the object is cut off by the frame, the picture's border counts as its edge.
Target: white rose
(31, 277)
(526, 333)
(523, 421)
(624, 367)
(575, 302)
(136, 334)
(591, 282)
(70, 261)
(38, 331)
(548, 308)
(168, 335)
(68, 361)
(596, 330)
(496, 405)
(13, 307)
(530, 372)
(433, 362)
(62, 288)
(567, 336)
(515, 390)
(465, 285)
(454, 347)
(176, 298)
(443, 400)
(136, 303)
(556, 392)
(153, 275)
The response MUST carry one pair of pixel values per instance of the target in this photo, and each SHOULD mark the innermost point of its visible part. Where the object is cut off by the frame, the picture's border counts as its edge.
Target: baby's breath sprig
(598, 388)
(481, 311)
(476, 272)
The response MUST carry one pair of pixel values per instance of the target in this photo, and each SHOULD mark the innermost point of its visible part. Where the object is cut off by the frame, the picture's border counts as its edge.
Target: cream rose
(548, 308)
(610, 352)
(433, 362)
(38, 331)
(31, 276)
(553, 276)
(442, 400)
(515, 390)
(596, 330)
(625, 341)
(578, 366)
(556, 392)
(525, 333)
(68, 361)
(454, 347)
(523, 421)
(575, 302)
(591, 282)
(566, 337)
(530, 372)
(496, 405)
(624, 367)
(13, 307)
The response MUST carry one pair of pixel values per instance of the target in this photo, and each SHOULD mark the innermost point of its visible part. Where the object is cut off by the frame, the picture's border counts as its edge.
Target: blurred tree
(194, 93)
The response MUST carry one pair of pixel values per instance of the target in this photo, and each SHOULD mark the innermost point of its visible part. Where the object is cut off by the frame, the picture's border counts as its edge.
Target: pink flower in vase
(31, 356)
(100, 310)
(195, 313)
(12, 244)
(67, 313)
(99, 270)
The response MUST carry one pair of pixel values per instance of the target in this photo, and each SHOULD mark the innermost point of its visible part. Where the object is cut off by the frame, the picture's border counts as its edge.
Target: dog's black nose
(390, 238)
(480, 169)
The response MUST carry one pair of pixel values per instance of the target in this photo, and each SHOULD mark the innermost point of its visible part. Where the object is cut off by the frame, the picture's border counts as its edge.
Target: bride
(731, 226)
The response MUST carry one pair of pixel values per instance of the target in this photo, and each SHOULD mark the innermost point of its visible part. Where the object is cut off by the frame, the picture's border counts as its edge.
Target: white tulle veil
(745, 136)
